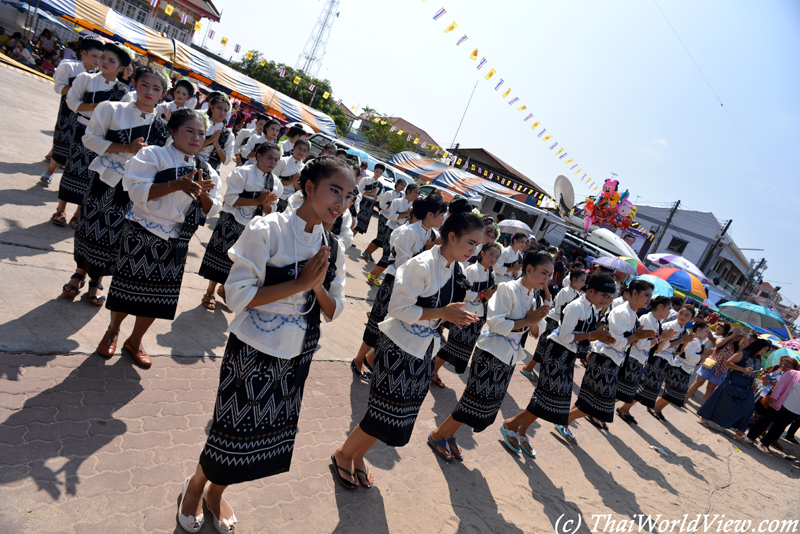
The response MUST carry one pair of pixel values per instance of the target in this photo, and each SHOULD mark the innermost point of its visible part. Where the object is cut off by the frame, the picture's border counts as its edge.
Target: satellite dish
(565, 195)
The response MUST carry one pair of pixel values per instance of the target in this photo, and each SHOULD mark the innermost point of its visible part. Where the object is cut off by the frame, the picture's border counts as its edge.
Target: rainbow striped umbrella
(686, 282)
(615, 264)
(636, 264)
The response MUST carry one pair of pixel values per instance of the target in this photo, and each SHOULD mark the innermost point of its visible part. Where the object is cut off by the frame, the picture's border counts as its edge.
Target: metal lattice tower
(310, 59)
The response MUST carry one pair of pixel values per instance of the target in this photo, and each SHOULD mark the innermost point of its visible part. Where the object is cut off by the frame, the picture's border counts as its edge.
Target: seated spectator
(22, 54)
(48, 66)
(4, 38)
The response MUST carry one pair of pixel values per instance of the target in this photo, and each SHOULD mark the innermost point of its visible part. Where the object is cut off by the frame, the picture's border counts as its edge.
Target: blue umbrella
(616, 264)
(775, 357)
(753, 314)
(662, 287)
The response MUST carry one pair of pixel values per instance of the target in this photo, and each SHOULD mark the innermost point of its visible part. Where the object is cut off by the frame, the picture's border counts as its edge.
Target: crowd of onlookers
(43, 52)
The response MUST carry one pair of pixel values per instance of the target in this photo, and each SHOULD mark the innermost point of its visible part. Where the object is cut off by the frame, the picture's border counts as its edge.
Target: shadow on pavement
(197, 332)
(72, 420)
(47, 327)
(366, 514)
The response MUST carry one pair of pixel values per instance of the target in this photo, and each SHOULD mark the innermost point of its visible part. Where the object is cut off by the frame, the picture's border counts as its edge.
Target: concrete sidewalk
(95, 446)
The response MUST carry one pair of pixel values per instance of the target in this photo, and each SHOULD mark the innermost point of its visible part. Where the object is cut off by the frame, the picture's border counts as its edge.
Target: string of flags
(541, 133)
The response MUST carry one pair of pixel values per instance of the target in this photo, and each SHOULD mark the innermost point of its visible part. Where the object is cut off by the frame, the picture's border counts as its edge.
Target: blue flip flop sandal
(530, 375)
(567, 434)
(506, 433)
(524, 439)
(434, 445)
(453, 447)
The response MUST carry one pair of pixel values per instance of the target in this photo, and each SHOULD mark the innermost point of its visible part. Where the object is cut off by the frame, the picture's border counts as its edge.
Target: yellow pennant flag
(450, 28)
(579, 170)
(416, 140)
(297, 80)
(224, 41)
(522, 108)
(249, 54)
(569, 161)
(547, 137)
(326, 94)
(263, 63)
(352, 107)
(486, 173)
(383, 122)
(376, 119)
(458, 162)
(168, 10)
(399, 132)
(535, 124)
(490, 74)
(474, 55)
(472, 167)
(197, 26)
(560, 150)
(506, 93)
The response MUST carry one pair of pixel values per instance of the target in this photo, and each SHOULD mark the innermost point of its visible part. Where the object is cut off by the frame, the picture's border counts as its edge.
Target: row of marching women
(450, 295)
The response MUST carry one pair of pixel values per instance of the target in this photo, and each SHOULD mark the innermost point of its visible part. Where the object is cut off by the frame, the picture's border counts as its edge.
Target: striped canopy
(188, 61)
(436, 173)
(102, 19)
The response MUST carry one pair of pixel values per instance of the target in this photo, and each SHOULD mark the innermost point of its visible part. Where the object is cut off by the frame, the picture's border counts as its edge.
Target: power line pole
(310, 59)
(464, 115)
(666, 225)
(710, 251)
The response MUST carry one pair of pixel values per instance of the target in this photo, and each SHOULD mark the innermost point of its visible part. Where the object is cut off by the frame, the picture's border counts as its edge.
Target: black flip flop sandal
(359, 374)
(365, 481)
(95, 300)
(628, 418)
(599, 424)
(71, 291)
(343, 481)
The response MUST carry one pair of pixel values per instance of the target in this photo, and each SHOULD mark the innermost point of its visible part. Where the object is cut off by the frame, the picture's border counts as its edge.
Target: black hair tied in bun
(459, 205)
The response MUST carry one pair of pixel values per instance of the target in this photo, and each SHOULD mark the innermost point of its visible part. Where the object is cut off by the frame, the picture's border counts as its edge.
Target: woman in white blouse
(287, 273)
(599, 385)
(426, 293)
(87, 92)
(270, 128)
(90, 51)
(683, 364)
(406, 241)
(217, 149)
(183, 98)
(250, 191)
(481, 286)
(553, 394)
(116, 133)
(172, 191)
(632, 369)
(398, 214)
(515, 311)
(384, 202)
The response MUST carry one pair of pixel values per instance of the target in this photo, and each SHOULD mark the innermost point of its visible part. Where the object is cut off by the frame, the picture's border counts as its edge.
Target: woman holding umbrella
(732, 404)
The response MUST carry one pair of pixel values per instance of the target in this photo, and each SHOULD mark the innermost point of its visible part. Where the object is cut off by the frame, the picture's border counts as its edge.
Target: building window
(677, 245)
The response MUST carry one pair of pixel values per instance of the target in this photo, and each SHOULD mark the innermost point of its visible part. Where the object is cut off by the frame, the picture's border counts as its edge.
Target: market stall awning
(95, 16)
(103, 20)
(216, 75)
(441, 174)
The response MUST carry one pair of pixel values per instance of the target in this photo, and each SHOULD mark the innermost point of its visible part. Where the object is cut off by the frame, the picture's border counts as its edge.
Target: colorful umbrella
(678, 262)
(793, 344)
(770, 337)
(636, 264)
(615, 264)
(662, 289)
(683, 280)
(753, 314)
(775, 358)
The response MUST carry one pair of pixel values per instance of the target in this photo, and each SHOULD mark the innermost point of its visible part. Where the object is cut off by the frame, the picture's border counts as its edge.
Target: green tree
(269, 75)
(379, 135)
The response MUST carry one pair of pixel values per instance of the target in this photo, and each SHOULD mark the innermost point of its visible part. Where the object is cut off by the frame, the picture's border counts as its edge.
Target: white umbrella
(513, 224)
(678, 262)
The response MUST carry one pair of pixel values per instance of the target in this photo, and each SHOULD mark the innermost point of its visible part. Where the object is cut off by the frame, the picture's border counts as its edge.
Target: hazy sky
(609, 80)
